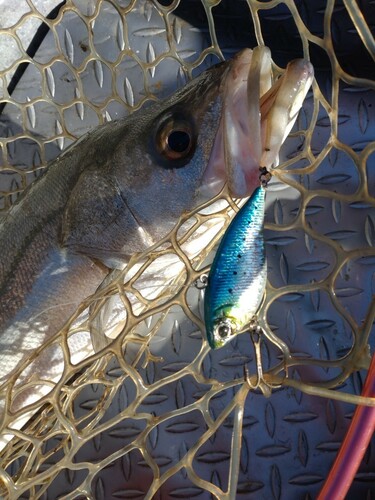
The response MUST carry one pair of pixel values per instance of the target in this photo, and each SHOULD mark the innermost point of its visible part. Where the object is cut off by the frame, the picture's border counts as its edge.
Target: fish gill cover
(157, 412)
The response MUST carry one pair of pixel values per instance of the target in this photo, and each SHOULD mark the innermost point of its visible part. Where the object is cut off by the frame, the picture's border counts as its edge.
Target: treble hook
(261, 383)
(255, 332)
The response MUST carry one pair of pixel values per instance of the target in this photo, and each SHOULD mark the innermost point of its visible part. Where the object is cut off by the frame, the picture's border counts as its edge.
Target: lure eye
(175, 140)
(224, 331)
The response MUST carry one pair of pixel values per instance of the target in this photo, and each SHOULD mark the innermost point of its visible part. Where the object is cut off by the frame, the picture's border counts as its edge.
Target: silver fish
(123, 186)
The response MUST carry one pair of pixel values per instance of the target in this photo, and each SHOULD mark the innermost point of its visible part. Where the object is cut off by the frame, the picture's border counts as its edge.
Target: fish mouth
(258, 114)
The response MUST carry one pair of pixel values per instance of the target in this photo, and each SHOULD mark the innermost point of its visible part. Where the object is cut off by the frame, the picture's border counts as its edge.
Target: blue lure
(238, 274)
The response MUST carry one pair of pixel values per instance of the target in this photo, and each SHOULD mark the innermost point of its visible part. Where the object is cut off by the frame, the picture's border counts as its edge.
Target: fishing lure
(237, 279)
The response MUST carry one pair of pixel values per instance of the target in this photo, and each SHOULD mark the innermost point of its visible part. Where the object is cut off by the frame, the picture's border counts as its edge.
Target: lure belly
(238, 274)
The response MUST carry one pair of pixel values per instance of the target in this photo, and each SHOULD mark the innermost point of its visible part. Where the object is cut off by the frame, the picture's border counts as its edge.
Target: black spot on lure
(238, 274)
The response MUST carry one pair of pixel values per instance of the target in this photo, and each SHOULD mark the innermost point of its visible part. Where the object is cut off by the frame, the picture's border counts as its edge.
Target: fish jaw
(258, 115)
(280, 107)
(238, 274)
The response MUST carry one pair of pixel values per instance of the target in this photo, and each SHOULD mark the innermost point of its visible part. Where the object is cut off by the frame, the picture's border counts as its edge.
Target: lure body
(238, 274)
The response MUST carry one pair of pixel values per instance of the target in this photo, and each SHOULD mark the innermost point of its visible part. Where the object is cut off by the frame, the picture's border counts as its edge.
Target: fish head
(173, 155)
(142, 172)
(167, 152)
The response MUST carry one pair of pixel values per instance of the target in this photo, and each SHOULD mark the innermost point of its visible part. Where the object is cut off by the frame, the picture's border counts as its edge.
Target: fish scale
(238, 274)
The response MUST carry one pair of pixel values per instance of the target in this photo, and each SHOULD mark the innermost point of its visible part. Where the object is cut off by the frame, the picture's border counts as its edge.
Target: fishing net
(156, 413)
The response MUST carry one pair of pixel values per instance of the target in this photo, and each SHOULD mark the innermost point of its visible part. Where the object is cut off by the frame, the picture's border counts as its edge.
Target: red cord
(354, 445)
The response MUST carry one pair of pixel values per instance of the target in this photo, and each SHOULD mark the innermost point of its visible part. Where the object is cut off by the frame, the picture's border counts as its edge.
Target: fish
(238, 275)
(121, 188)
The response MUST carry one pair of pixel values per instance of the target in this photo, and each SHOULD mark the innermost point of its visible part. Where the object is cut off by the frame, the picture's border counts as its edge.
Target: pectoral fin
(100, 312)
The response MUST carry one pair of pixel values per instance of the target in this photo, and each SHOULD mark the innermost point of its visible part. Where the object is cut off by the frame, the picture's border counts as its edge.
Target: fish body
(116, 191)
(238, 274)
(121, 188)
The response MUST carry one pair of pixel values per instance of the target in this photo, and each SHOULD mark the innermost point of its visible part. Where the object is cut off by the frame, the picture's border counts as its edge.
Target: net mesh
(156, 413)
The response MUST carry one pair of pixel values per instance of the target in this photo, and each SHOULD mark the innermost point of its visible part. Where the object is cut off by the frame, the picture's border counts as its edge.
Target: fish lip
(280, 107)
(222, 163)
(248, 137)
(253, 71)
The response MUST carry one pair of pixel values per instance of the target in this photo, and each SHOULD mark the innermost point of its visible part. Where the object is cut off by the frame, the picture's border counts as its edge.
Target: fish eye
(175, 140)
(179, 141)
